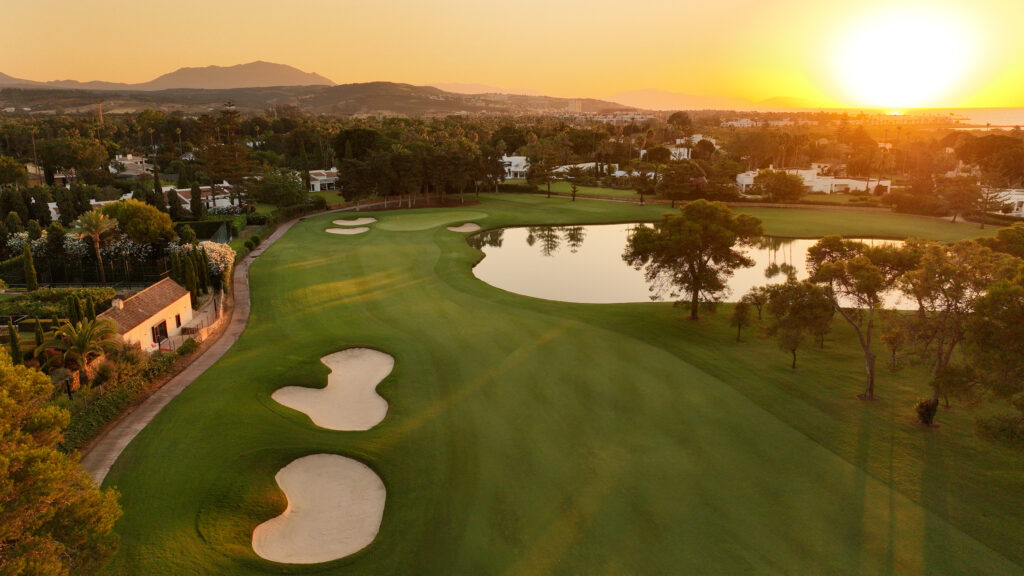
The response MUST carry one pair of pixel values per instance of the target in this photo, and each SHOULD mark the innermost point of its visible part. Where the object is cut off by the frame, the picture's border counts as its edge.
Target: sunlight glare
(903, 58)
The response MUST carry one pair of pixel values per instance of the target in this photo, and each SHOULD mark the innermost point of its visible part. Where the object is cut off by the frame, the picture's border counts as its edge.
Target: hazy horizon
(845, 54)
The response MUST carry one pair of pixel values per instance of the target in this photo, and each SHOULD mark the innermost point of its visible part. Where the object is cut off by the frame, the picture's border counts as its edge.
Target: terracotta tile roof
(145, 304)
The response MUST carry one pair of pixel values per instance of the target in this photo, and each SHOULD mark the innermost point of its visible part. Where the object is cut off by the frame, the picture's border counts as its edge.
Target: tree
(175, 209)
(191, 281)
(645, 183)
(796, 310)
(994, 339)
(13, 222)
(156, 197)
(195, 203)
(741, 316)
(694, 251)
(681, 180)
(13, 342)
(574, 175)
(895, 333)
(95, 225)
(280, 187)
(31, 281)
(187, 235)
(778, 186)
(946, 283)
(12, 172)
(76, 344)
(757, 297)
(680, 120)
(962, 194)
(141, 222)
(54, 520)
(39, 334)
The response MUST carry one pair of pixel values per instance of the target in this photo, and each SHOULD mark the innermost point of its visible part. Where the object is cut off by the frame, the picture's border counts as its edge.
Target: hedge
(518, 188)
(48, 302)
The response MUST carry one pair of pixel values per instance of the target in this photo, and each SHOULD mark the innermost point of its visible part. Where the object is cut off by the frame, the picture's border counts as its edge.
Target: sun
(903, 58)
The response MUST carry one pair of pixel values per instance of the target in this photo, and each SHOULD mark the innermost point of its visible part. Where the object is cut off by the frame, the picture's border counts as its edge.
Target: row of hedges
(518, 188)
(48, 302)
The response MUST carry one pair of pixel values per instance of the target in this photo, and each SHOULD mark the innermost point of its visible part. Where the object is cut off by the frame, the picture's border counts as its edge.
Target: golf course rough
(350, 400)
(335, 507)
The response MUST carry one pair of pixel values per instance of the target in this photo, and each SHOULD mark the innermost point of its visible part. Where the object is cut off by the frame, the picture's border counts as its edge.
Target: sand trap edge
(467, 227)
(348, 231)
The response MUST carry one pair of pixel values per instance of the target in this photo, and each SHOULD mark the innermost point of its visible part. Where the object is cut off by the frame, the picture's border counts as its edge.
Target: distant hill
(372, 98)
(251, 75)
(461, 88)
(652, 99)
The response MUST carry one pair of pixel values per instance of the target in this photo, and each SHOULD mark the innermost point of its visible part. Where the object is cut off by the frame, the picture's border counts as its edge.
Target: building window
(159, 332)
(177, 320)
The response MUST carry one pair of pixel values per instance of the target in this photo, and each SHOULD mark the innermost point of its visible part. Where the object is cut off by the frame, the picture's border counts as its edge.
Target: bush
(527, 188)
(1007, 427)
(159, 364)
(188, 347)
(255, 219)
(249, 245)
(926, 410)
(256, 239)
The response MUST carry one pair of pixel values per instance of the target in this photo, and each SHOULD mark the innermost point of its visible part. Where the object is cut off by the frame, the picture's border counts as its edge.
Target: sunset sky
(829, 53)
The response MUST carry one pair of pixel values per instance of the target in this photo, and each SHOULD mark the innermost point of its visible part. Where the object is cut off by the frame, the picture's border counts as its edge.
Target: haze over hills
(252, 75)
(464, 88)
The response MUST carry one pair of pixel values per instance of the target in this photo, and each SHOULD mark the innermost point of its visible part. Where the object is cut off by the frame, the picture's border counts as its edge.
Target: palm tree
(77, 343)
(94, 225)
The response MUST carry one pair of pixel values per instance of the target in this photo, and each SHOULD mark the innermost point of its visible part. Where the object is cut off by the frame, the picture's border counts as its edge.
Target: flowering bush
(226, 210)
(221, 256)
(16, 241)
(125, 247)
(75, 247)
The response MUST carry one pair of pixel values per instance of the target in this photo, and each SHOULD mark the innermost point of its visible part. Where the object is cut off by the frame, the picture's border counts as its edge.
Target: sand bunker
(467, 227)
(348, 231)
(350, 400)
(356, 222)
(335, 506)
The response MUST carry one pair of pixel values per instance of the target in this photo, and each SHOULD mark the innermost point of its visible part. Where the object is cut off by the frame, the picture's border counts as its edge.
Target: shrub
(188, 347)
(255, 219)
(518, 188)
(256, 239)
(1006, 427)
(926, 410)
(249, 245)
(159, 364)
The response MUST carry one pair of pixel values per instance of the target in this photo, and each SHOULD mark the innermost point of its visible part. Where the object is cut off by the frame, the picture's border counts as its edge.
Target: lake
(584, 264)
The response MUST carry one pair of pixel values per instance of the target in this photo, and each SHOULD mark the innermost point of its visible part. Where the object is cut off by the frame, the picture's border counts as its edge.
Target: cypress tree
(190, 281)
(39, 333)
(176, 267)
(14, 342)
(13, 223)
(195, 204)
(74, 310)
(31, 281)
(174, 207)
(158, 193)
(35, 231)
(90, 309)
(54, 322)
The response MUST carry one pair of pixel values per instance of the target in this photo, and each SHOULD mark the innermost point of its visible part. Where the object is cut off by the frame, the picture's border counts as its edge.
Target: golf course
(526, 436)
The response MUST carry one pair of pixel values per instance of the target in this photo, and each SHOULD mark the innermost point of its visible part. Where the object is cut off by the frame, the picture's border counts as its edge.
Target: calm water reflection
(584, 264)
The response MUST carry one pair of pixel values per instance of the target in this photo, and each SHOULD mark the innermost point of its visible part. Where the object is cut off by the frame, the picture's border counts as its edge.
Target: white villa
(816, 180)
(1014, 197)
(322, 180)
(151, 316)
(515, 166)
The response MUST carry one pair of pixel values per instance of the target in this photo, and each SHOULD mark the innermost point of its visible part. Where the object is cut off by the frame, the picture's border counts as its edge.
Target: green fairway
(528, 437)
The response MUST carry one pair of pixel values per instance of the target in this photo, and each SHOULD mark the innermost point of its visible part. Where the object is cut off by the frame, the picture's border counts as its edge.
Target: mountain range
(252, 75)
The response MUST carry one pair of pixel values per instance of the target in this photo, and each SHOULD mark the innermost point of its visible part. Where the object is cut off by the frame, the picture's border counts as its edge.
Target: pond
(584, 264)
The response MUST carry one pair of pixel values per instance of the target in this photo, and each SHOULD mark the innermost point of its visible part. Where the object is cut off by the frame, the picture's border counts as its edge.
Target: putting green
(533, 437)
(414, 221)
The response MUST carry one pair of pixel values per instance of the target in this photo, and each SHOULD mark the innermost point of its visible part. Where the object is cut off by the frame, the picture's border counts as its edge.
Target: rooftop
(143, 305)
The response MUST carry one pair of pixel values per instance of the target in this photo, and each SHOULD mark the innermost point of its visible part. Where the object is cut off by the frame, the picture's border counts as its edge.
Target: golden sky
(965, 53)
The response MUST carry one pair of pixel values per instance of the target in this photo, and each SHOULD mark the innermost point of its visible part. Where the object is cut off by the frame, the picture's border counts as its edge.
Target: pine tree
(14, 342)
(31, 281)
(39, 333)
(196, 203)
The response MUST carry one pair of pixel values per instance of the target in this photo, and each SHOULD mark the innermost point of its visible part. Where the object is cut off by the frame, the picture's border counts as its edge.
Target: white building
(816, 180)
(216, 196)
(322, 180)
(1013, 197)
(740, 123)
(153, 315)
(515, 166)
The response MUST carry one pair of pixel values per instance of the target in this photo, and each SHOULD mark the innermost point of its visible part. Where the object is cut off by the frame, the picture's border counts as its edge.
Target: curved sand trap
(356, 222)
(350, 400)
(335, 506)
(348, 231)
(467, 227)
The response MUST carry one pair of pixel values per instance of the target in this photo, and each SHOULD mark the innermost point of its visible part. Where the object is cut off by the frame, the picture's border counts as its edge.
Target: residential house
(817, 179)
(515, 166)
(322, 180)
(151, 316)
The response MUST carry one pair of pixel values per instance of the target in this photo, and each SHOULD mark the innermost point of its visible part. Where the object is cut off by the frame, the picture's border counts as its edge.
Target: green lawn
(535, 437)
